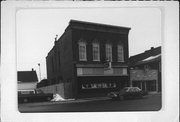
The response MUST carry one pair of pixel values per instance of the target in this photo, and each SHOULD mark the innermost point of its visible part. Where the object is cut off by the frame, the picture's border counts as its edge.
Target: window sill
(96, 60)
(82, 59)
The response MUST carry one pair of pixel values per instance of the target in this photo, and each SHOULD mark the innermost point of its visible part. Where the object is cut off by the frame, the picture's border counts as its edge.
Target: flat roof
(97, 24)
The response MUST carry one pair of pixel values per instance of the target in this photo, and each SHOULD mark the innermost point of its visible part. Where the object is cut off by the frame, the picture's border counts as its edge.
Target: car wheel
(25, 100)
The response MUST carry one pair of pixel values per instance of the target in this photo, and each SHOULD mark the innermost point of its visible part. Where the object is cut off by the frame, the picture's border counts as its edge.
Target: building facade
(89, 60)
(145, 70)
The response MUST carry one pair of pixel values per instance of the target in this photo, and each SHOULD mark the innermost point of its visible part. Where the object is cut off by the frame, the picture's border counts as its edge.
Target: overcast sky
(36, 30)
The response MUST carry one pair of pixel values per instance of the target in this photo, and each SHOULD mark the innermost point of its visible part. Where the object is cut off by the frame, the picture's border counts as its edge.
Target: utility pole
(39, 71)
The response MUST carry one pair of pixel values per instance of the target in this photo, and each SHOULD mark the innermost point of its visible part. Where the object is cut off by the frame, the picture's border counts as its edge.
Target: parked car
(126, 93)
(144, 92)
(35, 95)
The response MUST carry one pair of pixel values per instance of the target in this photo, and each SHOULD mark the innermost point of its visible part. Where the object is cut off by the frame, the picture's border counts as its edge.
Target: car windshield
(134, 89)
(130, 89)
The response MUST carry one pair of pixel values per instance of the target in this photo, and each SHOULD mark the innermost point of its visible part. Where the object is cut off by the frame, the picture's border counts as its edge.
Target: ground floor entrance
(96, 86)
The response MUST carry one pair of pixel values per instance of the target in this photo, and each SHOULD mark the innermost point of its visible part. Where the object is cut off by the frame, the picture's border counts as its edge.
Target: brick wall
(102, 38)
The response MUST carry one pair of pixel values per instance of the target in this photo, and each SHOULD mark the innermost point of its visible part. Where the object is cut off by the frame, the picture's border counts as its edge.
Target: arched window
(120, 53)
(109, 52)
(96, 51)
(82, 50)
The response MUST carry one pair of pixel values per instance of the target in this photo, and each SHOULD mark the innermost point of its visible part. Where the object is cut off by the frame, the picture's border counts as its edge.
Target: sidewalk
(67, 101)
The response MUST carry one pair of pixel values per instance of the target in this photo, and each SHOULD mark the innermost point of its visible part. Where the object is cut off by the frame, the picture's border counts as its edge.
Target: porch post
(141, 84)
(157, 81)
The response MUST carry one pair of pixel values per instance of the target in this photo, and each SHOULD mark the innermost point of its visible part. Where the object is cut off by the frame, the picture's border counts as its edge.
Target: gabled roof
(27, 76)
(147, 55)
(152, 58)
(149, 60)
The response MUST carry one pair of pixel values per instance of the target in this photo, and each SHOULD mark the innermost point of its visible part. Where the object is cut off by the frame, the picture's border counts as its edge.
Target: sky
(37, 28)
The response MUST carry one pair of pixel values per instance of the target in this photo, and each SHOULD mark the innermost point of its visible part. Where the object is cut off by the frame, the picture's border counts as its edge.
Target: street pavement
(147, 103)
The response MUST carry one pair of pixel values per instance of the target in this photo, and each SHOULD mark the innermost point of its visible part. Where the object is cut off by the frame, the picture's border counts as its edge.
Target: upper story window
(120, 53)
(82, 51)
(109, 52)
(96, 52)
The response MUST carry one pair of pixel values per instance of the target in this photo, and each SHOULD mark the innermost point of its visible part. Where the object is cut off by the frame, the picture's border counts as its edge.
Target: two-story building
(88, 60)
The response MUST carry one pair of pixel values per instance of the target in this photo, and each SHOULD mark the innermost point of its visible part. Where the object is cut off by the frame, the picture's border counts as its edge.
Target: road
(148, 103)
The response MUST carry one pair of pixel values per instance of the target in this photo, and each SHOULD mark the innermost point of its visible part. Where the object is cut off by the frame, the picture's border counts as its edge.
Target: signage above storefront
(102, 72)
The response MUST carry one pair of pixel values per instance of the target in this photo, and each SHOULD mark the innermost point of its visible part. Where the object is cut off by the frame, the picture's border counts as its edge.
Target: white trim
(122, 49)
(84, 54)
(82, 59)
(108, 54)
(95, 44)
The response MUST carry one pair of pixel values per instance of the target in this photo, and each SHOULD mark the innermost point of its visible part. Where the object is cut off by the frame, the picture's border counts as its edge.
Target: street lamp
(39, 71)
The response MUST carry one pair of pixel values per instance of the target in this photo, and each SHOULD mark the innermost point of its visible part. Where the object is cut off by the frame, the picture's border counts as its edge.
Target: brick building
(88, 60)
(145, 70)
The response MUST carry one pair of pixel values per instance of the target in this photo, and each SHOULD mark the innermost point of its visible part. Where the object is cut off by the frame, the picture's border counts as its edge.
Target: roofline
(85, 22)
(27, 71)
(50, 50)
(97, 24)
(148, 61)
(154, 48)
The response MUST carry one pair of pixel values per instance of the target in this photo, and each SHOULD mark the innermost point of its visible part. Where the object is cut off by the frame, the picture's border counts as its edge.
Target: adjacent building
(88, 60)
(145, 70)
(27, 80)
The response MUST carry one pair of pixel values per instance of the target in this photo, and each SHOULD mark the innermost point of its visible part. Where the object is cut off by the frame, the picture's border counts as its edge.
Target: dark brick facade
(63, 64)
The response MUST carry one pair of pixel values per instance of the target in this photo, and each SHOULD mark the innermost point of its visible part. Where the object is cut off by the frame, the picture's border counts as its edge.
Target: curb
(64, 102)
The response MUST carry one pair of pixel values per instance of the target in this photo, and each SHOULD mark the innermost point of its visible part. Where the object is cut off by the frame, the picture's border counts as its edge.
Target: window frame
(82, 54)
(94, 45)
(108, 52)
(120, 47)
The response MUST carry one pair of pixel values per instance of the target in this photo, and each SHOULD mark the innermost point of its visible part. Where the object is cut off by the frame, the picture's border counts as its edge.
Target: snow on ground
(57, 97)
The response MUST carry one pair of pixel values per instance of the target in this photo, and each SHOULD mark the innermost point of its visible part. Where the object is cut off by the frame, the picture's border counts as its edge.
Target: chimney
(152, 48)
(56, 37)
(55, 40)
(32, 69)
(152, 51)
